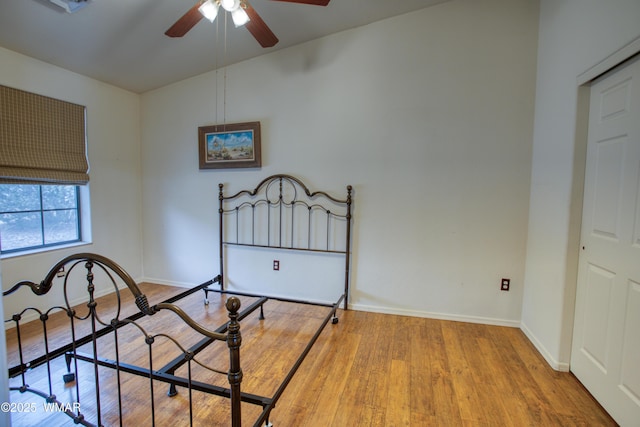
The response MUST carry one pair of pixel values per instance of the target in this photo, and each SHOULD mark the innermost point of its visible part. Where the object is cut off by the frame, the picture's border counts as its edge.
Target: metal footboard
(88, 348)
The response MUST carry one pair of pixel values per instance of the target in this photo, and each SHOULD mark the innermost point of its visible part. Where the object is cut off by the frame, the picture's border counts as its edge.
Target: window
(44, 173)
(38, 216)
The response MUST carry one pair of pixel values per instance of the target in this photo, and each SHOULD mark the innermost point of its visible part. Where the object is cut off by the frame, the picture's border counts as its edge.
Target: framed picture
(229, 146)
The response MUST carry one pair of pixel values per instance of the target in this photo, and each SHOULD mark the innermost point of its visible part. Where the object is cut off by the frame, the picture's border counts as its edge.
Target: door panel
(600, 283)
(606, 342)
(609, 163)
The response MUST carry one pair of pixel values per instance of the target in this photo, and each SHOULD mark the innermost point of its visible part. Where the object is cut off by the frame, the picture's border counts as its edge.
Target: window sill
(42, 250)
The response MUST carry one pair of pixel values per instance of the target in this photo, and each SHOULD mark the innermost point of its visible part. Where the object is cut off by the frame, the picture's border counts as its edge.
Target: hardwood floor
(368, 370)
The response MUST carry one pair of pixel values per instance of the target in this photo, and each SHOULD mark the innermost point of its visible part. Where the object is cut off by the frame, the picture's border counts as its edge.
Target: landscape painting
(229, 146)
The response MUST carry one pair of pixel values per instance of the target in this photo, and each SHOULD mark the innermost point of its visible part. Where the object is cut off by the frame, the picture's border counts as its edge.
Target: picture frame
(235, 145)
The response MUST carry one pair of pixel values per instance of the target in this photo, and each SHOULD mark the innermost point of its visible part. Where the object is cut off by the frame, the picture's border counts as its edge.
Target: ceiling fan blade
(313, 2)
(259, 29)
(185, 23)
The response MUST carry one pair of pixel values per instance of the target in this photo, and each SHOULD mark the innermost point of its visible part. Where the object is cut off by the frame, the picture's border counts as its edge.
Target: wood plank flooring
(368, 370)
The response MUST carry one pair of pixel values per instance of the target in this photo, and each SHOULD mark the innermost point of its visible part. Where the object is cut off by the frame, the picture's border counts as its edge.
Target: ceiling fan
(241, 10)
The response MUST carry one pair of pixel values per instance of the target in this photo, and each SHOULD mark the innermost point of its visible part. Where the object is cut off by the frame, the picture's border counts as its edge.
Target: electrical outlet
(505, 284)
(276, 265)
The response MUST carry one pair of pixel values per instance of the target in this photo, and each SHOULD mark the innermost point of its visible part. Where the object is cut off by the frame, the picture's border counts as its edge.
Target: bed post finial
(234, 339)
(233, 305)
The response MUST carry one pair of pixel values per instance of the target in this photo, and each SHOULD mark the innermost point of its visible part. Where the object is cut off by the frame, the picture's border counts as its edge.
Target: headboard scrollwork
(282, 213)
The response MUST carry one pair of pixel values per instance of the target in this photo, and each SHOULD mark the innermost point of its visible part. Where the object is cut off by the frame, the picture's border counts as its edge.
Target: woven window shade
(42, 140)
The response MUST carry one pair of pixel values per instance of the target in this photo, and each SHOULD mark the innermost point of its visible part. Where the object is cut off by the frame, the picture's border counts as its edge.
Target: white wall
(113, 138)
(428, 115)
(575, 35)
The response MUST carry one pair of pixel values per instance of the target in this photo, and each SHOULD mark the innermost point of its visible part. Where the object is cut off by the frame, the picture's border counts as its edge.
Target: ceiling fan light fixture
(239, 17)
(230, 5)
(209, 9)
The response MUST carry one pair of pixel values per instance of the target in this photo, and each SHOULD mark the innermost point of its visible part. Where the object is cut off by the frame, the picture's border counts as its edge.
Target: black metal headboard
(282, 213)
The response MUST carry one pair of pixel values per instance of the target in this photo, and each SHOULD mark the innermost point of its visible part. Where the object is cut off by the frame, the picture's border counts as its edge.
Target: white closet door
(606, 342)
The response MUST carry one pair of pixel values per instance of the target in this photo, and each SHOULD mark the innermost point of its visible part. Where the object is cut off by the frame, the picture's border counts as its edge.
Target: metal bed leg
(335, 319)
(69, 377)
(206, 296)
(172, 390)
(261, 313)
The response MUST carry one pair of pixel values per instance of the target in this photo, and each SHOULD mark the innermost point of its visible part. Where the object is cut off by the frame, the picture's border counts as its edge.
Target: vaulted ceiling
(122, 42)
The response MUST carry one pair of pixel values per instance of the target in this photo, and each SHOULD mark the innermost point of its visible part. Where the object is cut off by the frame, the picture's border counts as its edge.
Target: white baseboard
(387, 310)
(558, 366)
(440, 316)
